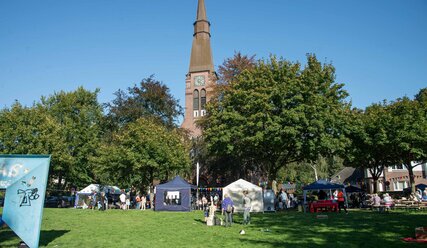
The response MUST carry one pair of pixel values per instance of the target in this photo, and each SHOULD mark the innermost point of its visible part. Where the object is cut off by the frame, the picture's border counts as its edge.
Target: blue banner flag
(25, 178)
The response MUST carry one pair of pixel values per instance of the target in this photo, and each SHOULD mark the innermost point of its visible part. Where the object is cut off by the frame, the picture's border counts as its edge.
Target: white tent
(98, 188)
(82, 196)
(235, 191)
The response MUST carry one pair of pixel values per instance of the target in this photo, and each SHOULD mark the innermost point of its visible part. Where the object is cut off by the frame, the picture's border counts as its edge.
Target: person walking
(227, 210)
(247, 205)
(341, 200)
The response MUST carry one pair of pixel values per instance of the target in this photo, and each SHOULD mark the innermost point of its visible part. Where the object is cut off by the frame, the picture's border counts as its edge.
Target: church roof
(201, 52)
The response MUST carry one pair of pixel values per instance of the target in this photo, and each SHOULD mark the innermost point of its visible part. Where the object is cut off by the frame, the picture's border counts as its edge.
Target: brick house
(396, 178)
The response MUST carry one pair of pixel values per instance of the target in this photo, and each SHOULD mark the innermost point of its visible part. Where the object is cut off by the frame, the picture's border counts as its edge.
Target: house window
(203, 98)
(196, 100)
(397, 167)
(400, 185)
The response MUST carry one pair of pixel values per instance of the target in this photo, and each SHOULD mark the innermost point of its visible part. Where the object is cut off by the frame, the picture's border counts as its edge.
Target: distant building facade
(394, 178)
(397, 177)
(201, 76)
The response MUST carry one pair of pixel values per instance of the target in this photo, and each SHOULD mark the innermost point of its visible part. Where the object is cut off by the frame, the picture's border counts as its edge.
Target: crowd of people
(285, 200)
(386, 201)
(125, 201)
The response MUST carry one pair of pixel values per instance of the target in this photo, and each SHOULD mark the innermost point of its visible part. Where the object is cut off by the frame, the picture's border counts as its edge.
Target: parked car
(58, 202)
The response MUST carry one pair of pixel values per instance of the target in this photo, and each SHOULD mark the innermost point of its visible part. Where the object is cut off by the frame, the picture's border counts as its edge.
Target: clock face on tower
(199, 81)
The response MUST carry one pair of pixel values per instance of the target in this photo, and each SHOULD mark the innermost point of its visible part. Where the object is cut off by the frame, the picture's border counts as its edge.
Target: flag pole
(197, 183)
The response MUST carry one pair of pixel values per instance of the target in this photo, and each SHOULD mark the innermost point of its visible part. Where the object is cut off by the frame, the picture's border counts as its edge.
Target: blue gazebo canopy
(174, 195)
(421, 186)
(177, 183)
(353, 189)
(323, 184)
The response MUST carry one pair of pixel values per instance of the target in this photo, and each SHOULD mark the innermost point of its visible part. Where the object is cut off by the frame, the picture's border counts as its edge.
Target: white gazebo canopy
(235, 191)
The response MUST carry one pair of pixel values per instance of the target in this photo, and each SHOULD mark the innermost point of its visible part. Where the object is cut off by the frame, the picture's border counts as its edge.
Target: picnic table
(324, 205)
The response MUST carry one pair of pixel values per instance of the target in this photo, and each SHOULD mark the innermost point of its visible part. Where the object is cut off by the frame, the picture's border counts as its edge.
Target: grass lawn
(116, 228)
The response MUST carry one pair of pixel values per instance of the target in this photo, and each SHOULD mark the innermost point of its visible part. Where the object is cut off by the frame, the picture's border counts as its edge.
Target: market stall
(174, 195)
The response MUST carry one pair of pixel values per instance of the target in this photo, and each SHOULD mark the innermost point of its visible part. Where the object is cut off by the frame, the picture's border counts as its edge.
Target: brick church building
(201, 76)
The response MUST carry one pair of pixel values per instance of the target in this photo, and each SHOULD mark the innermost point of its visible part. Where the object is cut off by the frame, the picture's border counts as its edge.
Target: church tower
(201, 76)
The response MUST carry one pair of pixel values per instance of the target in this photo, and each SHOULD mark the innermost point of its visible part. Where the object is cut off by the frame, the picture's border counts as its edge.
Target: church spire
(201, 11)
(201, 52)
(201, 78)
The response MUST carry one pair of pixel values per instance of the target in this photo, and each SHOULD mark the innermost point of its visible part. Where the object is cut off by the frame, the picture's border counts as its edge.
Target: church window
(203, 98)
(196, 100)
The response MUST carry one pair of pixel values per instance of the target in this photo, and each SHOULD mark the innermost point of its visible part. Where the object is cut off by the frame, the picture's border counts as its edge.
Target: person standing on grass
(227, 210)
(143, 202)
(204, 201)
(138, 202)
(151, 200)
(341, 200)
(284, 198)
(128, 200)
(94, 202)
(102, 200)
(335, 195)
(247, 204)
(123, 200)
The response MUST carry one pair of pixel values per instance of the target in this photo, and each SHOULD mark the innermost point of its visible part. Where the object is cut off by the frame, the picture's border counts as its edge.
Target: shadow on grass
(48, 236)
(7, 236)
(339, 230)
(200, 221)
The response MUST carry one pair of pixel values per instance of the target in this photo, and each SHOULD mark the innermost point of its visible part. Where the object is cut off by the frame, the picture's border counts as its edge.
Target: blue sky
(379, 48)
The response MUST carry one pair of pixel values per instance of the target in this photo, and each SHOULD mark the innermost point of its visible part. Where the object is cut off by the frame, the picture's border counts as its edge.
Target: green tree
(277, 113)
(151, 98)
(78, 115)
(140, 152)
(31, 130)
(408, 132)
(370, 146)
(213, 166)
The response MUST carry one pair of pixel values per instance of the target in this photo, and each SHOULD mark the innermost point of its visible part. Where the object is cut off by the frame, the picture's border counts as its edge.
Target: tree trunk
(314, 167)
(411, 176)
(65, 184)
(272, 174)
(59, 181)
(375, 185)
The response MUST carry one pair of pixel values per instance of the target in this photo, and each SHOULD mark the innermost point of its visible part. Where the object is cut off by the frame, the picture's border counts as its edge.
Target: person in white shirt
(284, 197)
(247, 205)
(123, 200)
(335, 195)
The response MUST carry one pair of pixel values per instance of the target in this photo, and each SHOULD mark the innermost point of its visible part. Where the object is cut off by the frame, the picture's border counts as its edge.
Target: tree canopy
(140, 152)
(278, 113)
(151, 98)
(408, 132)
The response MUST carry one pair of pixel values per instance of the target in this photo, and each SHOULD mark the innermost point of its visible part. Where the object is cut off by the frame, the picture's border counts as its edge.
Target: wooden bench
(381, 208)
